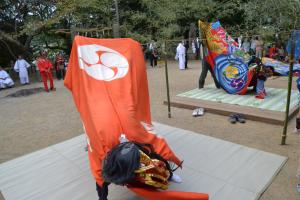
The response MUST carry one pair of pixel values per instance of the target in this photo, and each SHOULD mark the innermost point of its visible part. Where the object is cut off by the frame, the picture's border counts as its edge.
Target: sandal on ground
(198, 112)
(195, 112)
(232, 119)
(240, 118)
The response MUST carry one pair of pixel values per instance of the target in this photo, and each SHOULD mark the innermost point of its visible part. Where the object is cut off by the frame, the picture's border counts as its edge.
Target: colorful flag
(281, 68)
(296, 37)
(227, 61)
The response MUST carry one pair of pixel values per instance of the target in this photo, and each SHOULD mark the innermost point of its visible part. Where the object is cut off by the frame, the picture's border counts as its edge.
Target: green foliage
(29, 25)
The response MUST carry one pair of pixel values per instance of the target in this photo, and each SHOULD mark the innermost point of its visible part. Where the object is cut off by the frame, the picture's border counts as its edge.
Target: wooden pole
(167, 80)
(116, 25)
(284, 136)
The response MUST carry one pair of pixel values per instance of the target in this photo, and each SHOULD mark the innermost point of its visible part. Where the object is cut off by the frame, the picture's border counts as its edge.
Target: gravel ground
(43, 119)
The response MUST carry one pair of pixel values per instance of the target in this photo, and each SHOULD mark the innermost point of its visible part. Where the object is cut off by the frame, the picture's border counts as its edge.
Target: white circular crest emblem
(102, 63)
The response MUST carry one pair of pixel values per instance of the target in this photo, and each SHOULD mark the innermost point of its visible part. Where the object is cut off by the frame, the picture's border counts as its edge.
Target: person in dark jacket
(186, 45)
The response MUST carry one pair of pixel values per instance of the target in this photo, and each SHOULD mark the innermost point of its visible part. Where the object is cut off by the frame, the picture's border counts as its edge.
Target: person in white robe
(180, 55)
(240, 41)
(5, 80)
(21, 66)
(246, 45)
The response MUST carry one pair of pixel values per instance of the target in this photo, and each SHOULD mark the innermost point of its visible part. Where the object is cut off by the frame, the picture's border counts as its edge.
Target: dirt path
(37, 121)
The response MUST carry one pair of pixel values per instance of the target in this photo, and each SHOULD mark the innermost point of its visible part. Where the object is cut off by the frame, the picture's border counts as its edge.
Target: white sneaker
(195, 112)
(176, 179)
(198, 112)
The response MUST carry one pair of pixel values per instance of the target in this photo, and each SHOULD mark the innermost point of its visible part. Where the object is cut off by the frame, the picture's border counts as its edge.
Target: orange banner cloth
(150, 194)
(108, 81)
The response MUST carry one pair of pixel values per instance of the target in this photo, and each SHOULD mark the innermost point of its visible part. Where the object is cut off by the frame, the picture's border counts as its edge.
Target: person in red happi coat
(45, 66)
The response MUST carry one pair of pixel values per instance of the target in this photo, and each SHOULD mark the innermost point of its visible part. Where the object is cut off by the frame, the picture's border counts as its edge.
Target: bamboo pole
(284, 136)
(167, 80)
(116, 25)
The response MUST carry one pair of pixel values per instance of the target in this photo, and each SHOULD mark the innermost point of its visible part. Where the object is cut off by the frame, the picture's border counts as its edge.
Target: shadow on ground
(26, 92)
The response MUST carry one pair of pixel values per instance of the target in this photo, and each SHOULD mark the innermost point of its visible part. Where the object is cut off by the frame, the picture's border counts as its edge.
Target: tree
(28, 25)
(21, 21)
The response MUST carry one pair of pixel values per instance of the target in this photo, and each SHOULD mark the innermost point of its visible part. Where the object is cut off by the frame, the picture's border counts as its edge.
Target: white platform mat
(222, 169)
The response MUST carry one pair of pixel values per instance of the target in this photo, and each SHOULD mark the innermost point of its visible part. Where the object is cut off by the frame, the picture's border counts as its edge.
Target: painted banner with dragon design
(228, 63)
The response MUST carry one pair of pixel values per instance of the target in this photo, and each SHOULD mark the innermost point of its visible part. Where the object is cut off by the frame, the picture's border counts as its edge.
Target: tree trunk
(18, 47)
(28, 41)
